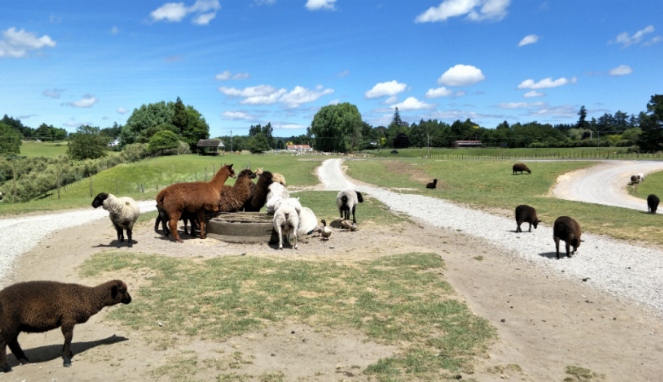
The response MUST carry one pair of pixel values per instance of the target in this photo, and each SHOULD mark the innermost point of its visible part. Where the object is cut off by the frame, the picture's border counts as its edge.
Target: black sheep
(520, 167)
(394, 151)
(652, 203)
(433, 184)
(526, 214)
(568, 230)
(40, 306)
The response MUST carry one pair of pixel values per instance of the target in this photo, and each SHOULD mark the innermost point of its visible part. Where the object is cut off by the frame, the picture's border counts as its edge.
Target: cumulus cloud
(316, 5)
(461, 75)
(267, 95)
(412, 103)
(122, 110)
(287, 126)
(476, 10)
(530, 39)
(53, 93)
(533, 93)
(621, 70)
(87, 101)
(300, 95)
(439, 92)
(236, 114)
(546, 83)
(176, 12)
(385, 89)
(227, 75)
(520, 105)
(334, 102)
(344, 73)
(17, 44)
(392, 99)
(559, 111)
(625, 39)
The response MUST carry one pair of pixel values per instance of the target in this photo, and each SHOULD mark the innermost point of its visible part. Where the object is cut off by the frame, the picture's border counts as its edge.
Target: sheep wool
(286, 222)
(347, 201)
(275, 194)
(123, 212)
(307, 221)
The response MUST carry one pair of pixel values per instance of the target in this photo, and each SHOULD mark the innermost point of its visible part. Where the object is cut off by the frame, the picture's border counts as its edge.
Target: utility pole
(231, 141)
(428, 143)
(598, 140)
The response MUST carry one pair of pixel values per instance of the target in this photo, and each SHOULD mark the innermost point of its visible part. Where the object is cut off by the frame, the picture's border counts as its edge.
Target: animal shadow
(553, 255)
(113, 244)
(51, 352)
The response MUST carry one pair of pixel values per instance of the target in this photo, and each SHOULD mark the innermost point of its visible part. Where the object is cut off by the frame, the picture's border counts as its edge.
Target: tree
(401, 141)
(258, 143)
(180, 118)
(279, 145)
(10, 141)
(164, 140)
(254, 130)
(87, 143)
(146, 116)
(336, 127)
(651, 124)
(582, 123)
(196, 128)
(396, 120)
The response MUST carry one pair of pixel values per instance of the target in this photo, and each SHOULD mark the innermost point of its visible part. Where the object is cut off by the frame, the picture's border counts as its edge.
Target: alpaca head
(231, 171)
(246, 172)
(99, 200)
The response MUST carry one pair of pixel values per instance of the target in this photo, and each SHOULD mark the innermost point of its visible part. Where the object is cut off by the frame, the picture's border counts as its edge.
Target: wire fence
(553, 156)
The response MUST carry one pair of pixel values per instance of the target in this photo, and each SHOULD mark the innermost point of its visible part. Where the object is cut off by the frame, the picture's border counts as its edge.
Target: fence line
(551, 156)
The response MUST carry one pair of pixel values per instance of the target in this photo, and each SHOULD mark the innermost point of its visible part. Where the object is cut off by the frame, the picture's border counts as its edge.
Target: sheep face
(119, 293)
(99, 200)
(536, 222)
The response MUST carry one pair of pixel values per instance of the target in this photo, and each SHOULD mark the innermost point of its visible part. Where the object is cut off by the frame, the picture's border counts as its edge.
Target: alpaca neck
(220, 178)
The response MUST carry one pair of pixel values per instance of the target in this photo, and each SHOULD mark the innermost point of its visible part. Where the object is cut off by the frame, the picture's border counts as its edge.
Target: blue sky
(239, 63)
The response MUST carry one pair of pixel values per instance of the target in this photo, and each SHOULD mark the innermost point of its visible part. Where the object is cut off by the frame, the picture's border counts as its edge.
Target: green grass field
(653, 184)
(157, 173)
(524, 153)
(490, 184)
(32, 149)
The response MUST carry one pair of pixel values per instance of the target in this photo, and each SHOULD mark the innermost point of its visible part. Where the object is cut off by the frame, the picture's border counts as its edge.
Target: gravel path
(605, 183)
(613, 266)
(20, 235)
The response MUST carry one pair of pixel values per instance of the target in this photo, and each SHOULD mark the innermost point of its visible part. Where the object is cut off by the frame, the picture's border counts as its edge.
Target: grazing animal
(275, 194)
(346, 201)
(641, 177)
(187, 217)
(233, 198)
(278, 178)
(123, 212)
(258, 193)
(40, 306)
(286, 222)
(634, 179)
(1, 197)
(433, 184)
(568, 230)
(394, 151)
(323, 230)
(520, 167)
(526, 214)
(196, 197)
(652, 203)
(307, 221)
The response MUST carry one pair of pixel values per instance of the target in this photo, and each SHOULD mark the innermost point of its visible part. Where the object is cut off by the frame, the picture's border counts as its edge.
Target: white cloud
(385, 89)
(73, 124)
(241, 76)
(334, 102)
(626, 40)
(267, 95)
(439, 92)
(227, 75)
(115, 30)
(475, 10)
(461, 75)
(287, 126)
(533, 93)
(176, 12)
(55, 19)
(546, 83)
(520, 105)
(235, 115)
(452, 115)
(530, 39)
(53, 93)
(300, 95)
(268, 2)
(392, 99)
(18, 43)
(251, 91)
(314, 5)
(22, 117)
(87, 101)
(560, 111)
(122, 110)
(621, 70)
(344, 73)
(653, 41)
(412, 103)
(460, 93)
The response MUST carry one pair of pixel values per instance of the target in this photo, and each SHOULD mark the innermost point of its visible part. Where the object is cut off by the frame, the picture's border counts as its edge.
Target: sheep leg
(568, 249)
(17, 351)
(280, 233)
(295, 239)
(129, 236)
(173, 225)
(68, 332)
(354, 220)
(557, 246)
(530, 227)
(4, 365)
(120, 236)
(201, 218)
(518, 228)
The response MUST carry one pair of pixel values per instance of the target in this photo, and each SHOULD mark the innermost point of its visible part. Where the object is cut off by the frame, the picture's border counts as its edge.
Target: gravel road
(605, 183)
(610, 265)
(20, 235)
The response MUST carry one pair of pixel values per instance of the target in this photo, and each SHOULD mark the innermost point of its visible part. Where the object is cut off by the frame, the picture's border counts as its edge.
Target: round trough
(242, 227)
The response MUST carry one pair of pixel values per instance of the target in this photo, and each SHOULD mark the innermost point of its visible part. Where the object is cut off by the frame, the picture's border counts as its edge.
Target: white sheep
(123, 213)
(275, 194)
(347, 201)
(286, 222)
(307, 221)
(641, 177)
(1, 197)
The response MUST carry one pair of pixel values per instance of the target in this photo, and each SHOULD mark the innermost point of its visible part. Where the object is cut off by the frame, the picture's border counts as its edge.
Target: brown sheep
(193, 197)
(258, 193)
(40, 306)
(526, 214)
(634, 179)
(433, 184)
(233, 198)
(568, 230)
(521, 167)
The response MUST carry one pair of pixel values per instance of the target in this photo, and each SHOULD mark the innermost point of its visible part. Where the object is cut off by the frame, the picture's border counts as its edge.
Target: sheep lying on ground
(433, 184)
(286, 222)
(275, 194)
(307, 221)
(568, 230)
(526, 214)
(652, 203)
(123, 213)
(258, 195)
(187, 217)
(520, 167)
(347, 201)
(40, 306)
(641, 177)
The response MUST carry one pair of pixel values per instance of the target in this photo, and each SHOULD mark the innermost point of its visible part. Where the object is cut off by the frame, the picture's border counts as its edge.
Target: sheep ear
(114, 291)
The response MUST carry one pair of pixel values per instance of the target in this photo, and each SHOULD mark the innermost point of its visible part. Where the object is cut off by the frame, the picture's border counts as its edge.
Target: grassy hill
(32, 149)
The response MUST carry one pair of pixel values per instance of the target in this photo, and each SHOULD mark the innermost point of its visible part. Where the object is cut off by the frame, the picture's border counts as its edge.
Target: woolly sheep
(275, 194)
(307, 221)
(521, 167)
(123, 213)
(40, 306)
(641, 177)
(526, 214)
(286, 222)
(568, 230)
(347, 201)
(652, 203)
(433, 184)
(1, 197)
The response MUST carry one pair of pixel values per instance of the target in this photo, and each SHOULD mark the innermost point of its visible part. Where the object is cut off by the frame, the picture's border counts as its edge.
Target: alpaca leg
(68, 332)
(186, 227)
(201, 218)
(129, 236)
(156, 224)
(173, 225)
(17, 351)
(557, 246)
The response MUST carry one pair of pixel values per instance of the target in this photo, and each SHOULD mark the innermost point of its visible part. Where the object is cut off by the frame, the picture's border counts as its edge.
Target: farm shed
(209, 146)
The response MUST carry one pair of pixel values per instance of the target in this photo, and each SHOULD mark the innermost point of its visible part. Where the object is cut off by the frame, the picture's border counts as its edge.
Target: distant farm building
(116, 142)
(300, 148)
(210, 146)
(465, 144)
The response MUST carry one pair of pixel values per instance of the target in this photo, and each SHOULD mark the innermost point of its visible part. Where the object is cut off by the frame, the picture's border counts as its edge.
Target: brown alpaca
(40, 306)
(258, 195)
(193, 197)
(233, 198)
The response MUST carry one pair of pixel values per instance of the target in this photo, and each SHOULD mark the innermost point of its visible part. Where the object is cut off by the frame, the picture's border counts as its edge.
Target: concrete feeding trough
(242, 227)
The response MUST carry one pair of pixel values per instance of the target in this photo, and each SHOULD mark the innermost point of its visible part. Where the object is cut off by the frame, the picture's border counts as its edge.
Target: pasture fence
(577, 155)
